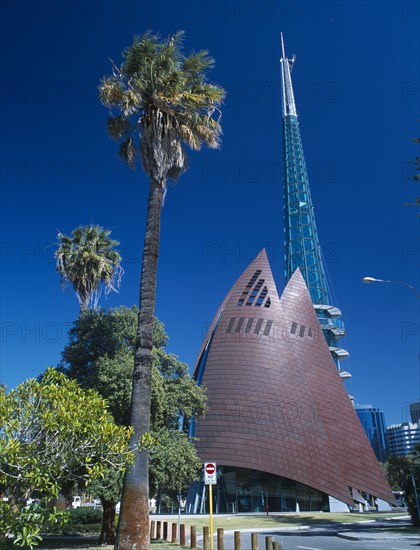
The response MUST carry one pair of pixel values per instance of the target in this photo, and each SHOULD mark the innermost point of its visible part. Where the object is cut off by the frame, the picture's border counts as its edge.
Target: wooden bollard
(277, 545)
(158, 526)
(182, 534)
(254, 541)
(268, 543)
(174, 532)
(193, 537)
(152, 529)
(220, 539)
(237, 536)
(165, 530)
(206, 540)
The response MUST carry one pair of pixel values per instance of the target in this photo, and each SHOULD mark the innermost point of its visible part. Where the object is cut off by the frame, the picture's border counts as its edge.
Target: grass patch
(237, 523)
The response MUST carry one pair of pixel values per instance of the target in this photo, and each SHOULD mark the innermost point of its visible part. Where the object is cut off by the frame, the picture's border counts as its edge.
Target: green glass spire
(302, 248)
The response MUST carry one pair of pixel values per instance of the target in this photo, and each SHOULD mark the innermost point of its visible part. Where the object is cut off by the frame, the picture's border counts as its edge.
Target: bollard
(158, 526)
(174, 532)
(277, 546)
(206, 540)
(152, 529)
(254, 541)
(182, 534)
(220, 539)
(268, 543)
(165, 530)
(237, 540)
(193, 542)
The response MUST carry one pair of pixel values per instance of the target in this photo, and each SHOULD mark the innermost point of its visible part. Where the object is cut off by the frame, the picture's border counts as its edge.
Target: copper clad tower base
(276, 403)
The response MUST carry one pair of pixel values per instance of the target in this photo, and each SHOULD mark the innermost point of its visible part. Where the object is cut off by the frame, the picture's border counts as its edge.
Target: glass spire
(301, 247)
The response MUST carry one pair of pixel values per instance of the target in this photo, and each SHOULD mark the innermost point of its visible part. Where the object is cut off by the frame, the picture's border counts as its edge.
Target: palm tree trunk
(133, 526)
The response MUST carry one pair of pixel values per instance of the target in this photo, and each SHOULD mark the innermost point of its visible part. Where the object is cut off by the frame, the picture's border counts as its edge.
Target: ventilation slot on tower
(267, 328)
(255, 292)
(258, 326)
(261, 297)
(249, 325)
(230, 324)
(248, 287)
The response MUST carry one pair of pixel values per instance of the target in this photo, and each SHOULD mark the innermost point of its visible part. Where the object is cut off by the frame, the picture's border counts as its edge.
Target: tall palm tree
(89, 261)
(158, 99)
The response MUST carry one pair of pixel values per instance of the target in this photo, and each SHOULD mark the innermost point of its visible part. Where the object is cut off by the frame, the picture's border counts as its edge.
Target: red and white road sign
(210, 473)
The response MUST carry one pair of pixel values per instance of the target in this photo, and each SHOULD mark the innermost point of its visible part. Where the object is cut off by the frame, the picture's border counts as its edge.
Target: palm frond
(137, 57)
(119, 127)
(189, 137)
(197, 63)
(111, 92)
(128, 153)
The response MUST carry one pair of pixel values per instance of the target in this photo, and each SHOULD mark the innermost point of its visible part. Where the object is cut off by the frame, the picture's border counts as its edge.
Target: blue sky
(357, 86)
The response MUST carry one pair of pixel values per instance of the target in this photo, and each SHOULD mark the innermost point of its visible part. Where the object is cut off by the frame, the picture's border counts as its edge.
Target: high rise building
(301, 248)
(403, 438)
(415, 412)
(373, 422)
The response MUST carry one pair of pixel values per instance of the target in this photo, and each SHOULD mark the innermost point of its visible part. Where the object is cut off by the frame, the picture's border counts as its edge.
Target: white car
(76, 502)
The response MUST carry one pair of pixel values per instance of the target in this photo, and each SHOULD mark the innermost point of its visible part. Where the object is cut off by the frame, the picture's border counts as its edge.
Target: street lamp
(404, 283)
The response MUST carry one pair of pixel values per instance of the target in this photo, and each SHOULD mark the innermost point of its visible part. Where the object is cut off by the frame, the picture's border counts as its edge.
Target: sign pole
(210, 479)
(211, 515)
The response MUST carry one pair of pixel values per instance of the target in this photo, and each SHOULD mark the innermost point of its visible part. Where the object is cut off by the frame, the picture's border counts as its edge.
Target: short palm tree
(89, 261)
(158, 99)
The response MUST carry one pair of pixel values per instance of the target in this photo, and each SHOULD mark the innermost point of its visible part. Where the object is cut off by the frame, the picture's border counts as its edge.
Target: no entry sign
(210, 473)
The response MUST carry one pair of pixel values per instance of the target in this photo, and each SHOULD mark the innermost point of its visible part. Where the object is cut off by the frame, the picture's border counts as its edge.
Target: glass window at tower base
(241, 491)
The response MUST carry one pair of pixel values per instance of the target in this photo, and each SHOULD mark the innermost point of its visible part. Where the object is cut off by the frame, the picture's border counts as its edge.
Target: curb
(379, 536)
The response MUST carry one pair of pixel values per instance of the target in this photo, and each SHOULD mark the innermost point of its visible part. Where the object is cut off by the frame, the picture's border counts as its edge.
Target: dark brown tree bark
(133, 525)
(108, 532)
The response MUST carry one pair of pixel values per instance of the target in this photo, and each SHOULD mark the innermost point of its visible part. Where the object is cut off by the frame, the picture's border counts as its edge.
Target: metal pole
(211, 515)
(415, 495)
(179, 512)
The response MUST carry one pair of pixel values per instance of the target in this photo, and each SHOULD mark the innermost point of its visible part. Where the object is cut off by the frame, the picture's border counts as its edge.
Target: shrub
(81, 521)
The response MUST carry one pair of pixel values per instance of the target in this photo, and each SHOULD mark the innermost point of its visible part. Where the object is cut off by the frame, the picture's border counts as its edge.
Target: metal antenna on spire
(282, 46)
(289, 106)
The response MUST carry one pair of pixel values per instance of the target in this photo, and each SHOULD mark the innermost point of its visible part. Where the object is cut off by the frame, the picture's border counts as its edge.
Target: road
(327, 538)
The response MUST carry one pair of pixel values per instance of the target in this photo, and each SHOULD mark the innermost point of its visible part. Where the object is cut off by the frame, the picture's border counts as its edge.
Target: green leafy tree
(403, 474)
(100, 334)
(52, 432)
(163, 97)
(108, 488)
(100, 355)
(89, 261)
(173, 462)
